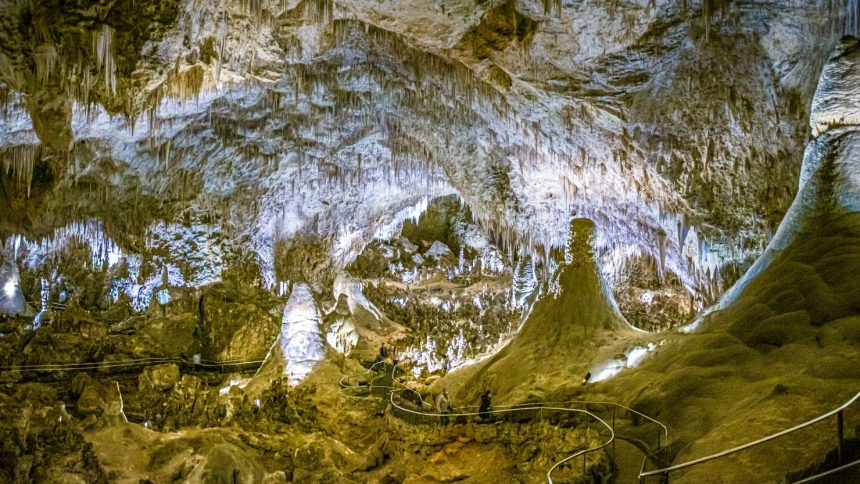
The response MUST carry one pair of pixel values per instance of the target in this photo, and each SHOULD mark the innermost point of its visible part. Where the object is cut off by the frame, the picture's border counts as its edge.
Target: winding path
(629, 453)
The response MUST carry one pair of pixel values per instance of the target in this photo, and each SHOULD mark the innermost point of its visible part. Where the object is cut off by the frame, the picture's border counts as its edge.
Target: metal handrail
(369, 371)
(584, 451)
(662, 444)
(662, 426)
(561, 402)
(837, 411)
(511, 409)
(344, 386)
(521, 409)
(828, 473)
(125, 363)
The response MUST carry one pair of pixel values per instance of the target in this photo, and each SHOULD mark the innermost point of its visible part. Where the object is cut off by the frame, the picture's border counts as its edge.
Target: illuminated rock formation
(325, 119)
(825, 207)
(564, 331)
(186, 183)
(299, 345)
(11, 298)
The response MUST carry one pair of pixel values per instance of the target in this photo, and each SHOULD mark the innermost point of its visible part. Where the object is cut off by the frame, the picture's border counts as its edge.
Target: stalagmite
(11, 298)
(300, 341)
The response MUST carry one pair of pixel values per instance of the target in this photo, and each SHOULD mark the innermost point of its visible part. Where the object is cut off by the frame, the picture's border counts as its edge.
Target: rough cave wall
(323, 120)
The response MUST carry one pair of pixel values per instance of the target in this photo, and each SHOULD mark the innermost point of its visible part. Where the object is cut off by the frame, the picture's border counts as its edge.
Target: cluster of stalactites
(851, 17)
(19, 161)
(88, 233)
(45, 58)
(552, 7)
(333, 109)
(73, 69)
(320, 10)
(449, 100)
(844, 14)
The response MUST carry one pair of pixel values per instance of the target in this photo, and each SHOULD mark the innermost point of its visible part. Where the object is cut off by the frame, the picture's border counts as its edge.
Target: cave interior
(417, 241)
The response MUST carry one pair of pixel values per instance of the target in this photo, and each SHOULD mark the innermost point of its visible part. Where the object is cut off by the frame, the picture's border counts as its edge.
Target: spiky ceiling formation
(671, 123)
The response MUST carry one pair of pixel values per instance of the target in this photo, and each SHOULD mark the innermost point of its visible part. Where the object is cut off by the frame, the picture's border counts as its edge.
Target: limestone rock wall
(325, 119)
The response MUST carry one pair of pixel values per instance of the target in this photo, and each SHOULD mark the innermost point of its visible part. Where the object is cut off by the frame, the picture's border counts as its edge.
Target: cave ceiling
(676, 125)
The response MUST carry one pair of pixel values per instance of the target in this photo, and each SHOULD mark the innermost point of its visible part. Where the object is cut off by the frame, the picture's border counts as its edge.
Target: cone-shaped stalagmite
(564, 331)
(299, 345)
(583, 307)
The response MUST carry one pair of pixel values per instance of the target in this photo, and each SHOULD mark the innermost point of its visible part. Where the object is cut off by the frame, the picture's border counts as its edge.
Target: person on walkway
(383, 353)
(443, 406)
(484, 409)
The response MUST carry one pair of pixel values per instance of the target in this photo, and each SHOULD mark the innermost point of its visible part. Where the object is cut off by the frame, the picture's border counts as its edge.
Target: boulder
(437, 249)
(160, 377)
(250, 342)
(90, 401)
(101, 399)
(408, 246)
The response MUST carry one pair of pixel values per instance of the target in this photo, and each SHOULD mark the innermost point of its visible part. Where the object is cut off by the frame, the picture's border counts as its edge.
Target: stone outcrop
(525, 450)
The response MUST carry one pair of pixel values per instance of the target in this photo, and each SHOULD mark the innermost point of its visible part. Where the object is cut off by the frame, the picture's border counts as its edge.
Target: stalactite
(851, 17)
(103, 52)
(321, 11)
(89, 233)
(19, 161)
(45, 58)
(552, 7)
(661, 247)
(182, 84)
(221, 44)
(5, 100)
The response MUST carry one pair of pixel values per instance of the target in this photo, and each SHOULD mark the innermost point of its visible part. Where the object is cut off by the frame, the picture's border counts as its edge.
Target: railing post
(840, 434)
(665, 478)
(583, 465)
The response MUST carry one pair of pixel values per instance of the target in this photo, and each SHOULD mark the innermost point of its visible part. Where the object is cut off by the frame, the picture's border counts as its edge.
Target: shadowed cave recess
(385, 241)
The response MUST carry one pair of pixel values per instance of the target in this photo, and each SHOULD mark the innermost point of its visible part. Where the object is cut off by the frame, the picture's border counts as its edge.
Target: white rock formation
(342, 336)
(408, 246)
(11, 298)
(837, 98)
(344, 283)
(830, 175)
(437, 249)
(300, 340)
(649, 117)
